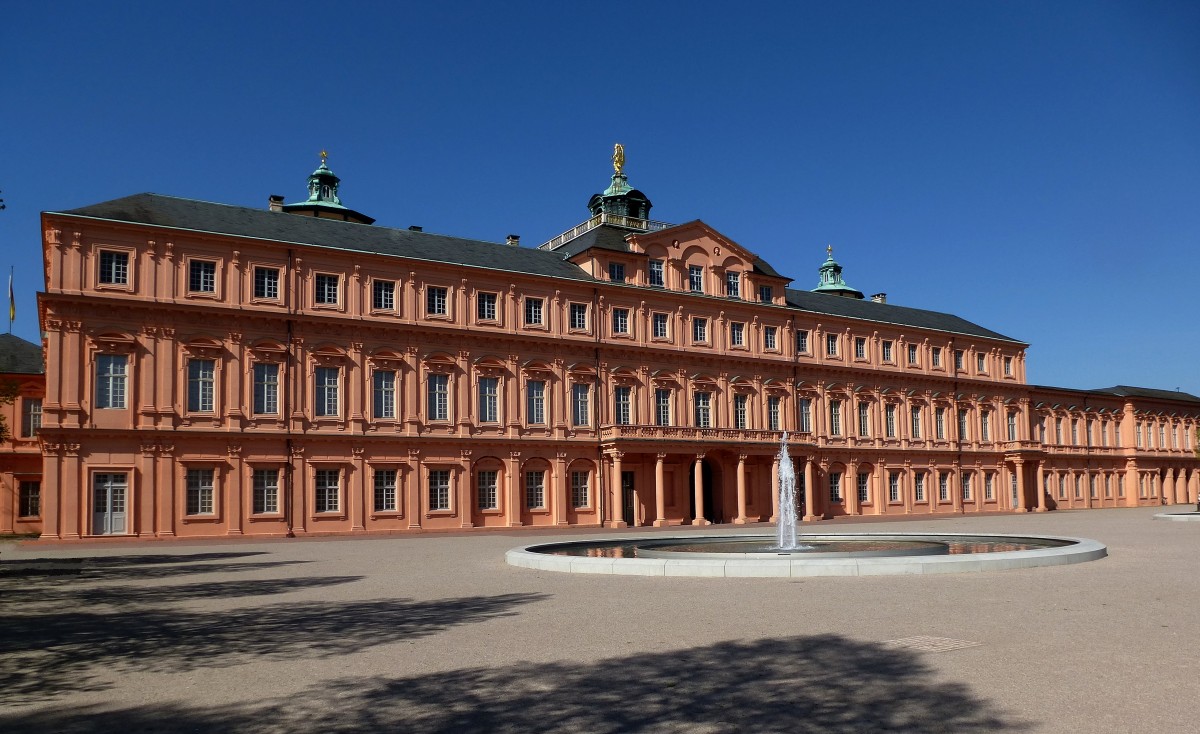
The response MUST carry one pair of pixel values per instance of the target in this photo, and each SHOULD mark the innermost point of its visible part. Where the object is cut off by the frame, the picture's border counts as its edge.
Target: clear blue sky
(1033, 167)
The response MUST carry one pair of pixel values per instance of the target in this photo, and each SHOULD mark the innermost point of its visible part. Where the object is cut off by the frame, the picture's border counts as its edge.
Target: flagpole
(12, 303)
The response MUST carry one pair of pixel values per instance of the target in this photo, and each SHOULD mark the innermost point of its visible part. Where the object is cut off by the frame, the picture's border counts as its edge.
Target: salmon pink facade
(217, 370)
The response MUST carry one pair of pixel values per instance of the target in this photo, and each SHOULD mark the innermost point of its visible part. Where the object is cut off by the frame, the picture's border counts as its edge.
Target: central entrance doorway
(108, 508)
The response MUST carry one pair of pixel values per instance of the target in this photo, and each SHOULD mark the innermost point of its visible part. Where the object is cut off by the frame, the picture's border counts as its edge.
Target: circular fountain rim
(1074, 550)
(1189, 515)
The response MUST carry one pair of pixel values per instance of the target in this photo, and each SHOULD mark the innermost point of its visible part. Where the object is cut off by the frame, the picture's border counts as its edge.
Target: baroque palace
(217, 370)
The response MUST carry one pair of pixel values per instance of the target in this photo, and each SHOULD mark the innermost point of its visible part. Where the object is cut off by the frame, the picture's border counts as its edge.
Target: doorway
(628, 499)
(108, 508)
(713, 511)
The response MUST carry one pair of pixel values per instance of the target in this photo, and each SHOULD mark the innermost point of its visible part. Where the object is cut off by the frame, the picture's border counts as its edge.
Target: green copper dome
(830, 279)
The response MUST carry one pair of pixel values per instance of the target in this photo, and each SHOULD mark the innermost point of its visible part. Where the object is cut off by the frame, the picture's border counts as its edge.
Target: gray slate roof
(1126, 391)
(18, 356)
(887, 313)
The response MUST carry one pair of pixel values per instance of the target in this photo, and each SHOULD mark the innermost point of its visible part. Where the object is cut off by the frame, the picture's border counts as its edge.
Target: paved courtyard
(436, 634)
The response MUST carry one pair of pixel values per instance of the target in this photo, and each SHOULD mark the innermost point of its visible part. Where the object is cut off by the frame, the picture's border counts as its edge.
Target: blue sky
(1033, 167)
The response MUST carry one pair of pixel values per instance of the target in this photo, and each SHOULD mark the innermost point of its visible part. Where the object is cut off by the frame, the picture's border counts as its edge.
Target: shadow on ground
(797, 684)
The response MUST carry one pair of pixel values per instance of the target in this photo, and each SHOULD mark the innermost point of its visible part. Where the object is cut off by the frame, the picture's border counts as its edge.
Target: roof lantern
(831, 278)
(620, 199)
(323, 201)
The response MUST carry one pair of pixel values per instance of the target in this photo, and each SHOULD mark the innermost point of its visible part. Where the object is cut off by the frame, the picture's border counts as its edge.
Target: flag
(12, 302)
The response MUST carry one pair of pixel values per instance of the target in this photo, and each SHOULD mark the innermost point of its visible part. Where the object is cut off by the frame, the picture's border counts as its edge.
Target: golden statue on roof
(618, 157)
(324, 155)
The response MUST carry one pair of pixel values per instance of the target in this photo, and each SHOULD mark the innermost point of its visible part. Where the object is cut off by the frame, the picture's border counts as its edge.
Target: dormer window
(733, 284)
(616, 272)
(766, 294)
(656, 273)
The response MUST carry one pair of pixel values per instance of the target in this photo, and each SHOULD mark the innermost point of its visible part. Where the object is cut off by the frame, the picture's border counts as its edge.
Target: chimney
(879, 298)
(415, 228)
(275, 203)
(513, 240)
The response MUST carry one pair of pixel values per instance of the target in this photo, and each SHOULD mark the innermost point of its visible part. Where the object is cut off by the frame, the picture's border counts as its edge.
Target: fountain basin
(857, 554)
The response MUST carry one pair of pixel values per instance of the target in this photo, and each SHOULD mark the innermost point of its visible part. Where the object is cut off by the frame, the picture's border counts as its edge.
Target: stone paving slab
(437, 634)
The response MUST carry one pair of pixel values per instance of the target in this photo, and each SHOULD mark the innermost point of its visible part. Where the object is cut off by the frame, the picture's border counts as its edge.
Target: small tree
(9, 390)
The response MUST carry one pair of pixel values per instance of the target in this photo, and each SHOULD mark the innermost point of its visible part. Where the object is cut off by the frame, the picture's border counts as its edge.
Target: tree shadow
(132, 596)
(47, 654)
(795, 684)
(80, 564)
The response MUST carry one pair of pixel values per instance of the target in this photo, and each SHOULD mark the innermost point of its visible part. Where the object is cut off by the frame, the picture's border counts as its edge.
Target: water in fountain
(786, 527)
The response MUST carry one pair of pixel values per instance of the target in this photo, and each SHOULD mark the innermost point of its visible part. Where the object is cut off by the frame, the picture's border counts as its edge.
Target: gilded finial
(829, 250)
(324, 155)
(618, 157)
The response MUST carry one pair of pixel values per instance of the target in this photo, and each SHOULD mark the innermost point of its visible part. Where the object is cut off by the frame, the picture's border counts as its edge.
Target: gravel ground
(435, 633)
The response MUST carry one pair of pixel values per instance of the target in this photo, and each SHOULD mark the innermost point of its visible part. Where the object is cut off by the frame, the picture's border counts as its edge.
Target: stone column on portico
(512, 487)
(1041, 488)
(741, 490)
(850, 501)
(413, 488)
(810, 481)
(698, 494)
(464, 489)
(660, 511)
(618, 494)
(1022, 503)
(560, 489)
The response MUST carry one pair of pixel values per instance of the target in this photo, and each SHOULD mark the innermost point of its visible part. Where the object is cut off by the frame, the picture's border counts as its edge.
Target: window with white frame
(739, 411)
(770, 342)
(805, 406)
(325, 289)
(939, 423)
(266, 283)
(864, 487)
(733, 284)
(919, 486)
(533, 311)
(201, 385)
(114, 267)
(699, 329)
(31, 417)
(773, 413)
(265, 483)
(696, 278)
(913, 354)
(199, 488)
(437, 405)
(958, 359)
(963, 433)
(535, 489)
(1058, 432)
(981, 363)
(621, 403)
(1008, 366)
(886, 348)
(110, 380)
(383, 388)
(436, 302)
(535, 402)
(766, 294)
(943, 486)
(889, 420)
(966, 486)
(489, 399)
(579, 316)
(580, 496)
(1074, 431)
(1012, 425)
(802, 341)
(29, 498)
(737, 334)
(662, 406)
(616, 272)
(831, 345)
(893, 486)
(864, 419)
(835, 487)
(860, 347)
(385, 490)
(702, 409)
(656, 273)
(935, 356)
(620, 320)
(659, 325)
(835, 417)
(985, 420)
(266, 388)
(383, 295)
(485, 306)
(487, 496)
(916, 421)
(327, 401)
(439, 490)
(581, 414)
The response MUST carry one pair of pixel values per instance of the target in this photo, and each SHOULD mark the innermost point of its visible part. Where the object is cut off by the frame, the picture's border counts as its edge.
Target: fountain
(785, 529)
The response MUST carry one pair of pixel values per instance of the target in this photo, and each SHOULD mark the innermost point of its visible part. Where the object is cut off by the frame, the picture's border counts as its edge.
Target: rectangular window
(737, 334)
(985, 427)
(805, 415)
(385, 490)
(1012, 426)
(835, 417)
(769, 339)
(266, 491)
(383, 388)
(943, 486)
(966, 486)
(802, 341)
(696, 278)
(435, 301)
(733, 284)
(383, 295)
(438, 398)
(835, 487)
(579, 489)
(936, 356)
(533, 311)
(889, 420)
(580, 408)
(201, 384)
(958, 359)
(114, 268)
(621, 401)
(739, 412)
(266, 283)
(199, 491)
(766, 294)
(202, 276)
(893, 486)
(773, 413)
(864, 487)
(489, 399)
(485, 307)
(1008, 366)
(579, 316)
(535, 402)
(864, 420)
(831, 345)
(29, 501)
(939, 423)
(328, 392)
(662, 407)
(963, 433)
(620, 320)
(488, 498)
(656, 273)
(916, 422)
(912, 354)
(981, 363)
(699, 330)
(439, 489)
(886, 347)
(535, 489)
(860, 348)
(110, 380)
(919, 486)
(616, 272)
(31, 417)
(659, 321)
(326, 289)
(1074, 432)
(702, 405)
(266, 388)
(1058, 431)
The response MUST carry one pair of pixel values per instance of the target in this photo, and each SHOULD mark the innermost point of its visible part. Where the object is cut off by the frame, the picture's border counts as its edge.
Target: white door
(109, 504)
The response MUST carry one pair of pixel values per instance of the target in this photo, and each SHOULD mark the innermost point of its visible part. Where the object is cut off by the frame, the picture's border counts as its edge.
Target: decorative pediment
(491, 365)
(537, 366)
(114, 341)
(203, 346)
(440, 362)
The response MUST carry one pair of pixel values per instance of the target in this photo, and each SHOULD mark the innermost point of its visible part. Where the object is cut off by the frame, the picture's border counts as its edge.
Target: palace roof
(20, 357)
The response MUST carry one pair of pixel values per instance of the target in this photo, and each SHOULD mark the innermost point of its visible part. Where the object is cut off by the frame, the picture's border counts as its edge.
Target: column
(698, 480)
(1041, 488)
(618, 495)
(166, 492)
(513, 488)
(52, 491)
(741, 490)
(560, 490)
(1168, 487)
(356, 492)
(660, 503)
(465, 502)
(1022, 502)
(956, 484)
(850, 499)
(233, 491)
(810, 481)
(146, 489)
(413, 488)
